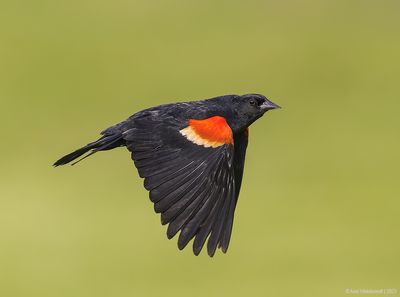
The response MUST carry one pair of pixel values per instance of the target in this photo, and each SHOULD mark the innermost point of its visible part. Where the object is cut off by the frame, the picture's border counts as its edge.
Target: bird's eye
(252, 102)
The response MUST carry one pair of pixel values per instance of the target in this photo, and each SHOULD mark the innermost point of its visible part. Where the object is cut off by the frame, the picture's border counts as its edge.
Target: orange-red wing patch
(211, 132)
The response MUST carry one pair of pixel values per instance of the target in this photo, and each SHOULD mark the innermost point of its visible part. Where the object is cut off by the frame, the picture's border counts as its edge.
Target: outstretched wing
(189, 170)
(241, 141)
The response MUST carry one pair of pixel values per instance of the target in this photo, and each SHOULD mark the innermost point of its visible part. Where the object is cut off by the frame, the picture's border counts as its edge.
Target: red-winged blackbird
(191, 156)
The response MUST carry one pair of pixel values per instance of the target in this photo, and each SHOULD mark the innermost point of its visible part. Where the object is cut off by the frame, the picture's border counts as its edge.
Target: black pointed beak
(268, 105)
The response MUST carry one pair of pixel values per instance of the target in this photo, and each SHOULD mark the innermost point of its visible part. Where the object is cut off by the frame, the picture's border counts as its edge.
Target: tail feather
(106, 142)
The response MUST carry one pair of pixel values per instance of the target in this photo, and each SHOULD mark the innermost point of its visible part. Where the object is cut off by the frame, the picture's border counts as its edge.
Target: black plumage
(191, 156)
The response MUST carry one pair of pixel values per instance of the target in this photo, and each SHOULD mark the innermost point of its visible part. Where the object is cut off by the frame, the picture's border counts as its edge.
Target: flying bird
(191, 156)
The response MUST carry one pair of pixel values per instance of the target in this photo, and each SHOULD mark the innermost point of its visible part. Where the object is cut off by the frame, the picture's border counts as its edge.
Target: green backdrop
(319, 208)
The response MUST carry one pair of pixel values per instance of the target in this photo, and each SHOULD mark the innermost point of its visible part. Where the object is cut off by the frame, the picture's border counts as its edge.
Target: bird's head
(246, 109)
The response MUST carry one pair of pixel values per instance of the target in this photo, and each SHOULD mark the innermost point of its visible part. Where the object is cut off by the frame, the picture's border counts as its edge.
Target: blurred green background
(319, 208)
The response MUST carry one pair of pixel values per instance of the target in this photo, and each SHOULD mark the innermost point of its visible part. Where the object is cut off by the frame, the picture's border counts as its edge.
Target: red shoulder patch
(211, 132)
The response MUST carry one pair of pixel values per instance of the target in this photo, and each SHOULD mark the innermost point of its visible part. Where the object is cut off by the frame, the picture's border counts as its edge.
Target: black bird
(191, 156)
